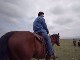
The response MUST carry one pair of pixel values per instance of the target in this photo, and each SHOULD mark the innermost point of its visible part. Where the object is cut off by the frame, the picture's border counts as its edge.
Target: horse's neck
(52, 39)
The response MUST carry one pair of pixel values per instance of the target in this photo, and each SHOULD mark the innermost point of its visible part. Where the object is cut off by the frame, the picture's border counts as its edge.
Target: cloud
(76, 7)
(63, 21)
(58, 10)
(11, 10)
(61, 15)
(4, 18)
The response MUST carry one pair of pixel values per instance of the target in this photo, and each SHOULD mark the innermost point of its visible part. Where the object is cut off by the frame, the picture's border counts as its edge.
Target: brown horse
(24, 45)
(79, 43)
(74, 42)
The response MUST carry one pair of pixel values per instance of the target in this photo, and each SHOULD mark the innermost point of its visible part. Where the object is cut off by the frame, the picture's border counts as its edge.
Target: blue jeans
(48, 42)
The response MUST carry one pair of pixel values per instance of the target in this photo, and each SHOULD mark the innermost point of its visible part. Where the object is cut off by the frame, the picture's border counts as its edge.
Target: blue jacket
(39, 25)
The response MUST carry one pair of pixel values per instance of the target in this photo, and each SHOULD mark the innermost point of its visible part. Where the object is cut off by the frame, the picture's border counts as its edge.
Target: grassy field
(66, 51)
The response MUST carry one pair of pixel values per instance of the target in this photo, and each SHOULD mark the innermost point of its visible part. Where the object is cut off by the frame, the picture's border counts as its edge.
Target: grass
(66, 51)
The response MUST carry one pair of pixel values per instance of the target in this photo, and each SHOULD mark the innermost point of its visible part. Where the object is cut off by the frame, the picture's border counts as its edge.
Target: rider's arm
(44, 25)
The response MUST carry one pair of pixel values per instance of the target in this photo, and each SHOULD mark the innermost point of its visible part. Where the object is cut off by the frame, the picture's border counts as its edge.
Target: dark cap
(40, 13)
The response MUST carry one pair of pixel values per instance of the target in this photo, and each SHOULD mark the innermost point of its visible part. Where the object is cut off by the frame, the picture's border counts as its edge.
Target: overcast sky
(62, 16)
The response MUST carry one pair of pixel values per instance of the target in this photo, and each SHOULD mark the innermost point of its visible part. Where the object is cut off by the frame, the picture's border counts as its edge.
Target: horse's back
(21, 44)
(21, 38)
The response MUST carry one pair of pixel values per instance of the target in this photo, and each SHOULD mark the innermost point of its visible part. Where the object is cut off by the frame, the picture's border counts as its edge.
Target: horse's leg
(74, 44)
(47, 57)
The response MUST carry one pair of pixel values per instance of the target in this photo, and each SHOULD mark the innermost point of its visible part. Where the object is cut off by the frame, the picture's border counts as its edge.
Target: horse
(24, 45)
(74, 42)
(79, 43)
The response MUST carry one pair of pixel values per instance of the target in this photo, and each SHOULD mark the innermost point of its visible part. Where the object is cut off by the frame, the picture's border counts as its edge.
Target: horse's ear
(58, 34)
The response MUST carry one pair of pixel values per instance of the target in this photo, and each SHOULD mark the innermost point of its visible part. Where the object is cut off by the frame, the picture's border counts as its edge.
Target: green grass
(66, 51)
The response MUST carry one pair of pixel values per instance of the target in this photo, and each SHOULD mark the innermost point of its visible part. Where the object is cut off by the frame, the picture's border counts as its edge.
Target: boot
(51, 56)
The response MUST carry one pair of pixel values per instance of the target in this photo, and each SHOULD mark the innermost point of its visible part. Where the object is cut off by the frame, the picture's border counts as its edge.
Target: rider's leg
(49, 44)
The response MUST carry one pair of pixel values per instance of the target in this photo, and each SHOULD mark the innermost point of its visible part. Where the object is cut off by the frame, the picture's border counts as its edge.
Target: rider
(40, 26)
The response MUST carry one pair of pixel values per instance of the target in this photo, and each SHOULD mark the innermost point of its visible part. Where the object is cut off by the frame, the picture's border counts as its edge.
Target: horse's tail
(4, 45)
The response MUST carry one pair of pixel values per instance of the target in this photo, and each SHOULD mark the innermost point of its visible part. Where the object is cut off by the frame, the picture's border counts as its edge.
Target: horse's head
(55, 39)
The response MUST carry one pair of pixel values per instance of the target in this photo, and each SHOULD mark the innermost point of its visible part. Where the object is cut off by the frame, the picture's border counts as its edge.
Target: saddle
(39, 37)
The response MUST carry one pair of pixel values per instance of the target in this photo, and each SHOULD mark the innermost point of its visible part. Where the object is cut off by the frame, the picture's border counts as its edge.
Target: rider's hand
(47, 32)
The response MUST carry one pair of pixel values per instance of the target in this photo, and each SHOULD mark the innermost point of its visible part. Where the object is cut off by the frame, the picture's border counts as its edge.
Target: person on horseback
(39, 26)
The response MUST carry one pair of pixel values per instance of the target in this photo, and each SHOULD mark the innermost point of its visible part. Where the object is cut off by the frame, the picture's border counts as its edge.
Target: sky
(62, 16)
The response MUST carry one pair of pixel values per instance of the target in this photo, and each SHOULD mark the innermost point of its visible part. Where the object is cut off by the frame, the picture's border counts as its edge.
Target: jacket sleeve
(44, 25)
